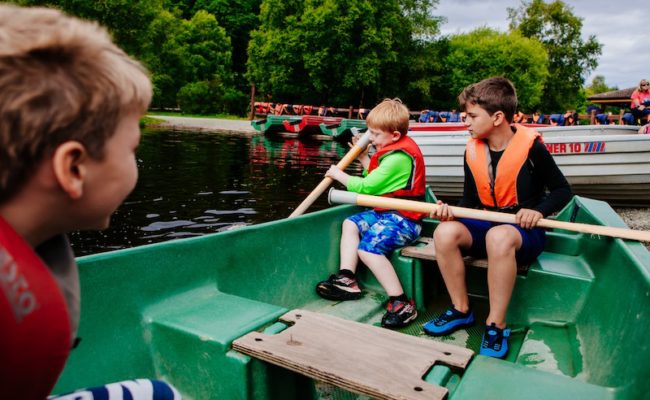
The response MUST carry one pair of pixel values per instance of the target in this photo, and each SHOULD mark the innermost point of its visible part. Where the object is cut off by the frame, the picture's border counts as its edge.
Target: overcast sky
(620, 26)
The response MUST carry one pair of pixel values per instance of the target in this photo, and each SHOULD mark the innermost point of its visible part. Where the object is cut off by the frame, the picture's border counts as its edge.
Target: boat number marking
(578, 147)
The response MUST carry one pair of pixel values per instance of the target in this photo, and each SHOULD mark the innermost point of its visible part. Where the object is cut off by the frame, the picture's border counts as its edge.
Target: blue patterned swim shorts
(383, 232)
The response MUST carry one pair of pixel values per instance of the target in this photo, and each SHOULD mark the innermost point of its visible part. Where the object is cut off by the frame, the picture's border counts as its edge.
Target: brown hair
(389, 115)
(491, 94)
(61, 79)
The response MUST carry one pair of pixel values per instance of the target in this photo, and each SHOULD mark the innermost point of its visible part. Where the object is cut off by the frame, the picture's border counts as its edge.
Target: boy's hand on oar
(527, 218)
(442, 212)
(364, 154)
(335, 173)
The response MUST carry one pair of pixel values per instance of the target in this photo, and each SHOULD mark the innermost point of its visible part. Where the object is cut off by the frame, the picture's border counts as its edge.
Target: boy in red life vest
(395, 170)
(69, 126)
(508, 169)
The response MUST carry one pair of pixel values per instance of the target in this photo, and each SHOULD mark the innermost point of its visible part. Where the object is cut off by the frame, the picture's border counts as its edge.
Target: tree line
(204, 55)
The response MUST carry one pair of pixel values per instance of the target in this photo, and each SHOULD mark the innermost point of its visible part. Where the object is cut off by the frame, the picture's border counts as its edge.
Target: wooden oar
(354, 152)
(344, 197)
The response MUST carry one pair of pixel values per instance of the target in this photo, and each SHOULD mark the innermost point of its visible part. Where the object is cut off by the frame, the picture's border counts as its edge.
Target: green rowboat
(580, 315)
(273, 123)
(343, 129)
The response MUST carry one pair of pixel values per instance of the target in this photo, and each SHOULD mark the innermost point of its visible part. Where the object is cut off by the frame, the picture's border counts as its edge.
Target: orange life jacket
(35, 334)
(415, 186)
(498, 189)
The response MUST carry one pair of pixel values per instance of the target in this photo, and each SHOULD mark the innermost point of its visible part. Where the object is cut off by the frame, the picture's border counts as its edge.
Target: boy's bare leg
(501, 243)
(448, 238)
(349, 244)
(383, 270)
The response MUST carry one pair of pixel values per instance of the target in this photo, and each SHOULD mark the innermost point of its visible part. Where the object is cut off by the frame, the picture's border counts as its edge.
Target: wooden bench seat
(428, 252)
(358, 357)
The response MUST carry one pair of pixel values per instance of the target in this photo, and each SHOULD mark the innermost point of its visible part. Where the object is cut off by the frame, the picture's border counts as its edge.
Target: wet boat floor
(469, 338)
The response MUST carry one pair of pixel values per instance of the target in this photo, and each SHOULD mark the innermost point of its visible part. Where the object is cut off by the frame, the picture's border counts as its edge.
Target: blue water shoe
(448, 322)
(495, 342)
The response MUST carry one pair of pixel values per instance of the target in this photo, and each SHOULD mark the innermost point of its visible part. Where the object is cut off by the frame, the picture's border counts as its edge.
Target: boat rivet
(418, 389)
(447, 353)
(257, 339)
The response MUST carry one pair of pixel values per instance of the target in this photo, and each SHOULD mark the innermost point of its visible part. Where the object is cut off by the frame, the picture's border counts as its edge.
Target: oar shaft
(354, 152)
(343, 197)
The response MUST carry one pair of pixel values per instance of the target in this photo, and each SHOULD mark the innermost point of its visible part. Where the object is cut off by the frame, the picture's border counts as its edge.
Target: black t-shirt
(539, 174)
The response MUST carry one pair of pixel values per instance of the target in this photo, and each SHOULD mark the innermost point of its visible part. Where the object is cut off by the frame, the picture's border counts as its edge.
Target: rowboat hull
(608, 165)
(343, 129)
(172, 310)
(272, 124)
(309, 125)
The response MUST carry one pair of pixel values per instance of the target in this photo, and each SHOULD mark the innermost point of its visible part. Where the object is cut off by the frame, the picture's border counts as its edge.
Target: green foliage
(485, 52)
(570, 57)
(202, 97)
(598, 85)
(338, 52)
(238, 18)
(181, 52)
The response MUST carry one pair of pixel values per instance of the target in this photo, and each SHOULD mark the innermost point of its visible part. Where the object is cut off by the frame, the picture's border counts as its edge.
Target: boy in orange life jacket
(507, 168)
(395, 170)
(69, 126)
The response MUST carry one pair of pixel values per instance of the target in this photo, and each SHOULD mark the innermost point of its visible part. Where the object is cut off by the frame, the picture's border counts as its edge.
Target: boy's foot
(339, 287)
(495, 342)
(399, 314)
(448, 322)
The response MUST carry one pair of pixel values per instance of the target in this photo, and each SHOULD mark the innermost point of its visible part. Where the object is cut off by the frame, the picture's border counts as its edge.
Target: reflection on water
(192, 184)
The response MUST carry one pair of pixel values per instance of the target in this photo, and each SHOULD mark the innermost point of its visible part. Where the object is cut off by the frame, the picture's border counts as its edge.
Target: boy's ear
(499, 118)
(396, 136)
(69, 168)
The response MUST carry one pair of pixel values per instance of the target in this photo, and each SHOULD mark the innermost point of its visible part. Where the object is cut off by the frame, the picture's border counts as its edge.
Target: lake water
(193, 184)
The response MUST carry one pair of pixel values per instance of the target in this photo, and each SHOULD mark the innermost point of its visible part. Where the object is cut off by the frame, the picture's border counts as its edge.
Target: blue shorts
(383, 232)
(532, 240)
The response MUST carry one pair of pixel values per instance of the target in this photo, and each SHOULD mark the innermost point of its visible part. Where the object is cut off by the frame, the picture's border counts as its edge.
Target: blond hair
(643, 82)
(61, 79)
(390, 115)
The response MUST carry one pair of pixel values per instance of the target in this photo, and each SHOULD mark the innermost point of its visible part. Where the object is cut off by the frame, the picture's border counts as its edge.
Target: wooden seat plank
(428, 252)
(358, 357)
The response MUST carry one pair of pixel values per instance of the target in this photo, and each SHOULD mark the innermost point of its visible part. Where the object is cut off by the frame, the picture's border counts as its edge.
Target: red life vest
(35, 333)
(306, 110)
(415, 186)
(499, 189)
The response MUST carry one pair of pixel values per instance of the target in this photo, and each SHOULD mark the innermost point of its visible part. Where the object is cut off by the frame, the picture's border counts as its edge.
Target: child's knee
(501, 239)
(349, 226)
(448, 234)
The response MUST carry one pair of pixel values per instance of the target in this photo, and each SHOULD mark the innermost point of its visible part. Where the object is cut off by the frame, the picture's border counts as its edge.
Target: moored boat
(173, 310)
(610, 163)
(343, 129)
(545, 130)
(272, 124)
(309, 124)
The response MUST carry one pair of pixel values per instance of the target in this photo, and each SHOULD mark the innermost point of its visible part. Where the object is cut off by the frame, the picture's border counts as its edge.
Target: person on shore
(69, 127)
(395, 170)
(640, 105)
(507, 169)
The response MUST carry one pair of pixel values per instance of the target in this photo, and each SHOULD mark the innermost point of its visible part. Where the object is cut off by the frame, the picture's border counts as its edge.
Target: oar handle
(344, 197)
(354, 152)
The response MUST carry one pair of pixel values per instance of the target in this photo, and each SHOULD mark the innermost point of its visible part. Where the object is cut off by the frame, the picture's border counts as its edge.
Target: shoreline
(635, 217)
